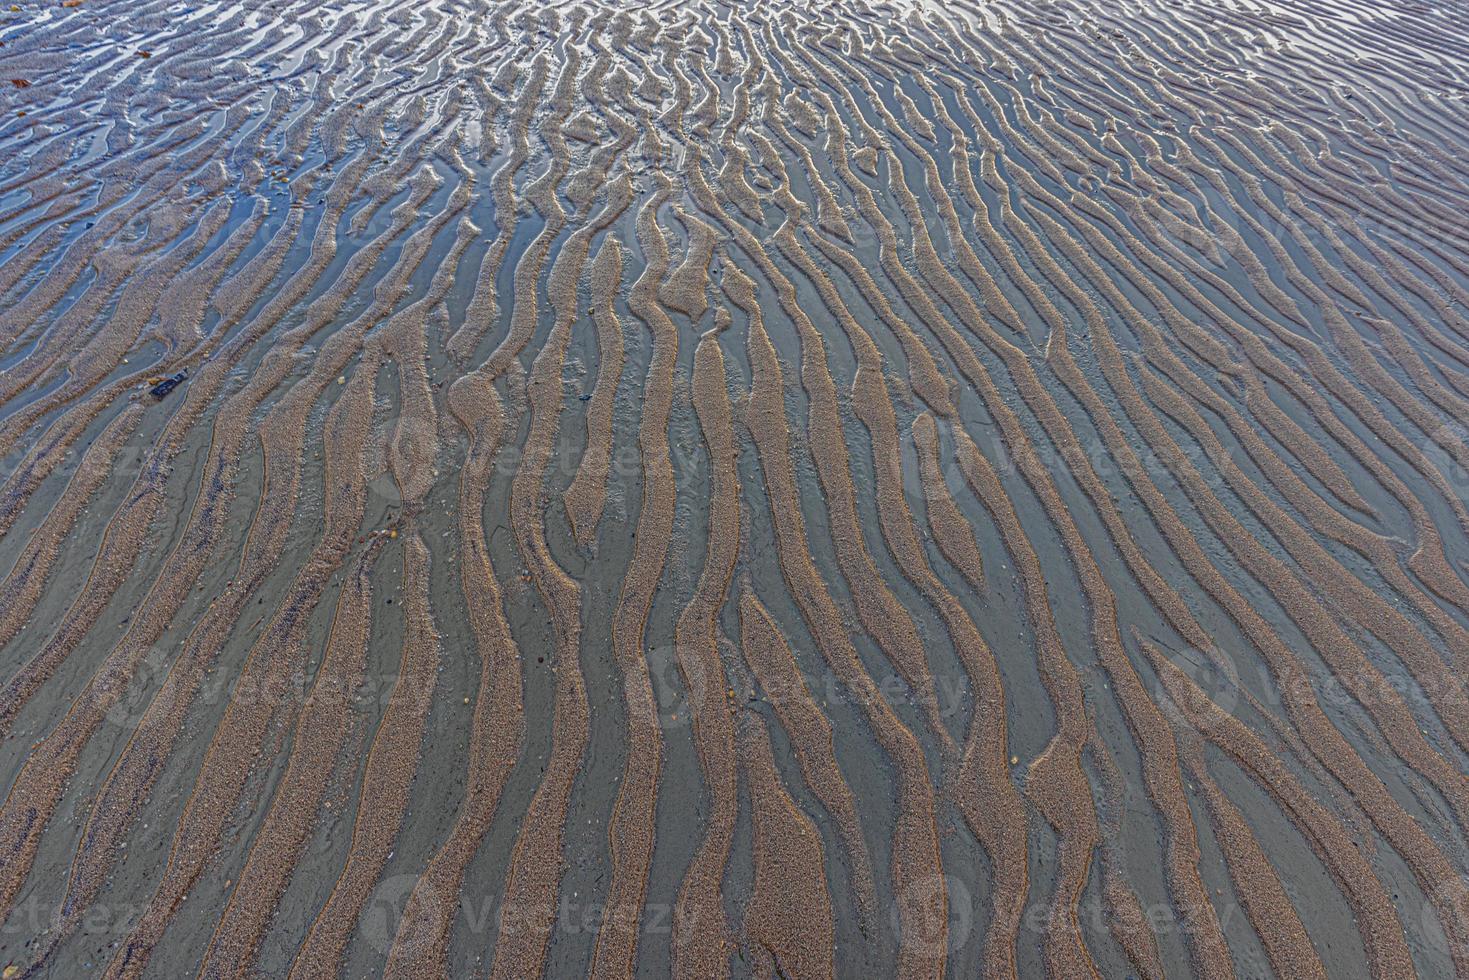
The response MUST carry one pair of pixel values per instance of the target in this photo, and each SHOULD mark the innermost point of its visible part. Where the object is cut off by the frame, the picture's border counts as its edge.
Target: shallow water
(734, 489)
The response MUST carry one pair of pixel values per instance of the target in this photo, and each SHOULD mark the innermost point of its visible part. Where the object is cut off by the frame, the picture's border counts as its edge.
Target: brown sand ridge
(734, 489)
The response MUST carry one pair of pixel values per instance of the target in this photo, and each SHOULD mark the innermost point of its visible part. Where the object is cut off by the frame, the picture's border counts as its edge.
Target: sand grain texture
(723, 490)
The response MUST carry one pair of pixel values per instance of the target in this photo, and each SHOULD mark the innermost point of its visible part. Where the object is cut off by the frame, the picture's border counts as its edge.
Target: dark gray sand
(734, 489)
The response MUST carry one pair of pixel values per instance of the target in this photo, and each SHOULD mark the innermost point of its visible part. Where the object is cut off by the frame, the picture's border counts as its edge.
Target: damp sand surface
(734, 489)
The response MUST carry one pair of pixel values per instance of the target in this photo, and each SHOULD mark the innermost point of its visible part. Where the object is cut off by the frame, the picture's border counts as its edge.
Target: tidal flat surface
(704, 488)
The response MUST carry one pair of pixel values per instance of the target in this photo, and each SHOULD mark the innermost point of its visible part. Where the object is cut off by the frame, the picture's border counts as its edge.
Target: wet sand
(729, 489)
